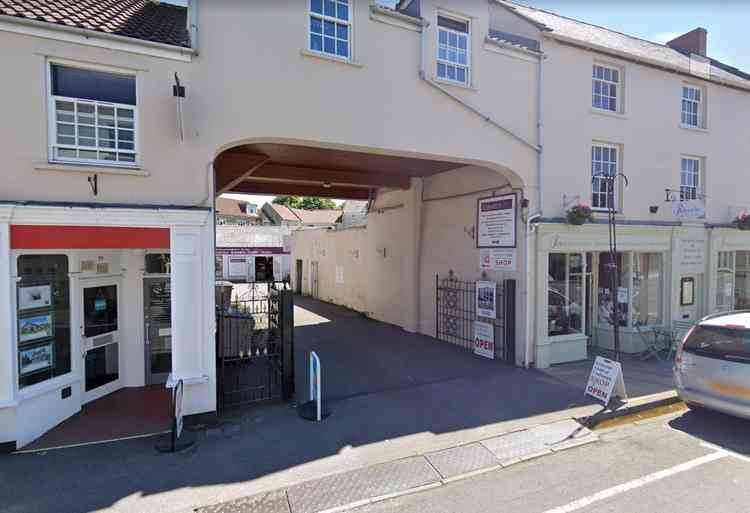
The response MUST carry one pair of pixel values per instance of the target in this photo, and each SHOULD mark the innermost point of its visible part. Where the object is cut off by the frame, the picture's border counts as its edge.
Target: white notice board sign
(486, 299)
(496, 221)
(484, 339)
(497, 259)
(605, 380)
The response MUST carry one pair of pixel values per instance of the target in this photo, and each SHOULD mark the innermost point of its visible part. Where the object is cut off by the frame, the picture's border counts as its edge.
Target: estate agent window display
(43, 318)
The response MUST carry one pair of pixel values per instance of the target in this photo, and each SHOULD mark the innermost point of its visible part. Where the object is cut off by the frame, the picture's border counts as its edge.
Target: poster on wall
(486, 299)
(34, 296)
(35, 328)
(484, 339)
(35, 359)
(339, 275)
(496, 221)
(497, 259)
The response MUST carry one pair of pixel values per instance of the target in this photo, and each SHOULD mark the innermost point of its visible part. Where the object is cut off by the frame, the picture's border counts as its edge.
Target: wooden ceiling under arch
(285, 169)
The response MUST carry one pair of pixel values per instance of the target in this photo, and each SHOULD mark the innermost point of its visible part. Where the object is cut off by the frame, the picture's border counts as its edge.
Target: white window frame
(52, 100)
(606, 82)
(336, 20)
(618, 164)
(446, 61)
(584, 306)
(696, 100)
(691, 191)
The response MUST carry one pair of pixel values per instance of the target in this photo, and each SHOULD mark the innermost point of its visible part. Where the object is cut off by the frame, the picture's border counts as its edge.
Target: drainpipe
(192, 22)
(529, 306)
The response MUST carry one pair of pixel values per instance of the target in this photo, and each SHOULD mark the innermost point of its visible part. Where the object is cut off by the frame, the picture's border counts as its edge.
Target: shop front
(577, 286)
(90, 313)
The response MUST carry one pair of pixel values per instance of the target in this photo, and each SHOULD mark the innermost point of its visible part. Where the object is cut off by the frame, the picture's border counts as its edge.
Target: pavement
(394, 397)
(684, 461)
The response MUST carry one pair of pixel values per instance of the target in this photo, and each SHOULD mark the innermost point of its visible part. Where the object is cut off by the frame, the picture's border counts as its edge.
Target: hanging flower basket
(742, 222)
(578, 214)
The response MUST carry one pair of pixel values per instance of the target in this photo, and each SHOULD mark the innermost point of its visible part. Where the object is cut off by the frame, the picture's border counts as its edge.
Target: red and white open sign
(484, 339)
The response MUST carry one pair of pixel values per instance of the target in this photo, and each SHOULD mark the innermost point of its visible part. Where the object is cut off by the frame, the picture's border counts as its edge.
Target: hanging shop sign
(486, 299)
(497, 259)
(496, 221)
(484, 339)
(689, 209)
(606, 380)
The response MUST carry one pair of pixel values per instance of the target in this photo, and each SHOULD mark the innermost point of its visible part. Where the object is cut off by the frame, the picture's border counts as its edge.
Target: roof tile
(147, 20)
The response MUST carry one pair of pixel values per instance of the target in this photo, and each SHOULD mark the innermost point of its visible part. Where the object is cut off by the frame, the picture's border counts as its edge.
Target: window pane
(647, 288)
(316, 43)
(92, 85)
(88, 154)
(565, 294)
(316, 25)
(126, 157)
(443, 37)
(66, 153)
(329, 45)
(330, 8)
(461, 74)
(44, 308)
(124, 118)
(329, 28)
(742, 281)
(342, 31)
(441, 70)
(452, 72)
(342, 48)
(342, 11)
(316, 6)
(606, 294)
(452, 39)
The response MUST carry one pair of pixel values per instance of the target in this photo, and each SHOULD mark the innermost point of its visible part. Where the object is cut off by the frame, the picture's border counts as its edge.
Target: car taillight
(681, 345)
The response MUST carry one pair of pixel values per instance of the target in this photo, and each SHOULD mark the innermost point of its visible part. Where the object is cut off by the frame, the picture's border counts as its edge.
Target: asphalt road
(686, 462)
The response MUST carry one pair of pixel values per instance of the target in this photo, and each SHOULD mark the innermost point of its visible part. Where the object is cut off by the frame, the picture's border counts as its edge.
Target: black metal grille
(456, 312)
(251, 345)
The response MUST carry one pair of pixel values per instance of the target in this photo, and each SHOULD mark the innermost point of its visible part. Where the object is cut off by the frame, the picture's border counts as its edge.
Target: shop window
(733, 281)
(92, 116)
(607, 294)
(43, 315)
(565, 294)
(158, 263)
(725, 281)
(647, 289)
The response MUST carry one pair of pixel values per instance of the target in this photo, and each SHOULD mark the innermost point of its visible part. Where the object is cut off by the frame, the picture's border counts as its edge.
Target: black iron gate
(456, 312)
(254, 345)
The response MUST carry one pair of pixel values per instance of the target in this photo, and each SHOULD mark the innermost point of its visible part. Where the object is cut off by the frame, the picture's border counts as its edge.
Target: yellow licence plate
(735, 391)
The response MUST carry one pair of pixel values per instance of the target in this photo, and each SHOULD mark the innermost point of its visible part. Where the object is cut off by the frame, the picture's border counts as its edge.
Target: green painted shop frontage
(671, 275)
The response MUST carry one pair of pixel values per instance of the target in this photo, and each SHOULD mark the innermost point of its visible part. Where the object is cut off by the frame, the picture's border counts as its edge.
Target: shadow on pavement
(715, 428)
(387, 388)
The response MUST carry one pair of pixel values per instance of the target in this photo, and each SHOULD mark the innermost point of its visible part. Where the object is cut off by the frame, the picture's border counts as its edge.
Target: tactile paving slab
(462, 460)
(272, 502)
(537, 441)
(357, 485)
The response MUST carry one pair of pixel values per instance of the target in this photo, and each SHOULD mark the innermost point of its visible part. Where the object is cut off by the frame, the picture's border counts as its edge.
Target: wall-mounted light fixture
(326, 185)
(653, 209)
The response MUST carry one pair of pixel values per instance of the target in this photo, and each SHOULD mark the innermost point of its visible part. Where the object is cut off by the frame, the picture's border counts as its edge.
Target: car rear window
(719, 342)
